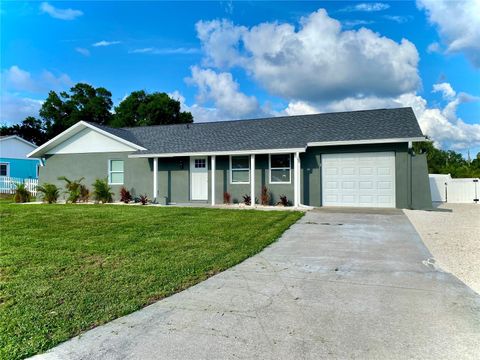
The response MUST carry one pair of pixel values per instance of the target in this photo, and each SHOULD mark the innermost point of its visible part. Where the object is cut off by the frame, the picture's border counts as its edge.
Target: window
(4, 169)
(115, 172)
(240, 169)
(280, 169)
(200, 163)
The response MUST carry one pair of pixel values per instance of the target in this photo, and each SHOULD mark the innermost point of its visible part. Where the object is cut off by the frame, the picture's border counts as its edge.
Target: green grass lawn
(68, 268)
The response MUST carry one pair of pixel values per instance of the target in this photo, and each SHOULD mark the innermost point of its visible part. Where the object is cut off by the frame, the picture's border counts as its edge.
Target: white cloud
(200, 113)
(433, 47)
(354, 23)
(367, 7)
(165, 51)
(446, 90)
(223, 91)
(317, 62)
(220, 41)
(83, 51)
(441, 124)
(397, 18)
(103, 43)
(15, 108)
(17, 79)
(62, 14)
(300, 108)
(458, 23)
(318, 67)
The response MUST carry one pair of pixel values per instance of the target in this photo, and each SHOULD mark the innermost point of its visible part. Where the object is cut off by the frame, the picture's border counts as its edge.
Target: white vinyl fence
(446, 189)
(8, 185)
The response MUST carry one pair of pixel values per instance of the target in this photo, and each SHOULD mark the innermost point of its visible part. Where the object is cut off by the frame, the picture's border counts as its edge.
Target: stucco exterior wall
(174, 175)
(137, 172)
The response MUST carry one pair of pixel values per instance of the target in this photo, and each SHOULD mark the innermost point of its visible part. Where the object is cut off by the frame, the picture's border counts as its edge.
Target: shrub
(21, 193)
(227, 197)
(125, 195)
(247, 199)
(143, 199)
(74, 188)
(50, 192)
(283, 201)
(101, 191)
(265, 196)
(84, 193)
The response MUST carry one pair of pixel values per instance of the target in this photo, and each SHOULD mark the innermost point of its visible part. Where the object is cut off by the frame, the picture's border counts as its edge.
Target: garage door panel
(360, 179)
(365, 170)
(365, 185)
(383, 171)
(331, 171)
(348, 185)
(384, 185)
(348, 171)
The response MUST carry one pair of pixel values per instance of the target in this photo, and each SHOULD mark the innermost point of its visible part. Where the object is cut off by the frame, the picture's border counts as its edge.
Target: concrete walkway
(336, 285)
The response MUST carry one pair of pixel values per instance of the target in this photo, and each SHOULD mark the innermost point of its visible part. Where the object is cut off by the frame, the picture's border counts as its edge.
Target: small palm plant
(73, 188)
(101, 191)
(50, 192)
(21, 193)
(84, 193)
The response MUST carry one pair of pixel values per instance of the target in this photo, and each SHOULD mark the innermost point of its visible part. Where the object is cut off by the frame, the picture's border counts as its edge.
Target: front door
(198, 178)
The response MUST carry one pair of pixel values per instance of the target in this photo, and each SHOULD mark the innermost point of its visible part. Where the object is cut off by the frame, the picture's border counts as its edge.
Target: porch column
(213, 179)
(252, 179)
(296, 179)
(155, 179)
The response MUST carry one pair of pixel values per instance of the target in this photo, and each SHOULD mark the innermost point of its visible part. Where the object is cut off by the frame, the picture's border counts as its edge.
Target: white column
(252, 179)
(213, 179)
(155, 178)
(296, 179)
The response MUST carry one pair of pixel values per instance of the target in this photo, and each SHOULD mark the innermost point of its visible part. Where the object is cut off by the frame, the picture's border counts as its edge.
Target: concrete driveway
(336, 285)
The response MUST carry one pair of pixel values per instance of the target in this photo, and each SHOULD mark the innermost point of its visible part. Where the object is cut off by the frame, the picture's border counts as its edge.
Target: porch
(202, 179)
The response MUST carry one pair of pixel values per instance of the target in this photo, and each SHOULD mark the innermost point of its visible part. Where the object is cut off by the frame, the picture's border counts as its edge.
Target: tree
(143, 109)
(30, 129)
(84, 102)
(448, 162)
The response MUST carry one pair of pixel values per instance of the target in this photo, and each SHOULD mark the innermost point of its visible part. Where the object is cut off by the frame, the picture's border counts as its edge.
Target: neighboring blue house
(13, 158)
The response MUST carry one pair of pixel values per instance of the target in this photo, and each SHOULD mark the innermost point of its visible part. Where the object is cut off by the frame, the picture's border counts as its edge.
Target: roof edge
(18, 138)
(369, 141)
(210, 153)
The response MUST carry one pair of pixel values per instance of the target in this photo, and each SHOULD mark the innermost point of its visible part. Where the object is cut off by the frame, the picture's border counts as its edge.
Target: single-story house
(355, 158)
(13, 158)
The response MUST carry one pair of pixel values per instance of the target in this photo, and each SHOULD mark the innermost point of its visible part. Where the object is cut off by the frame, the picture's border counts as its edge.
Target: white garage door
(359, 179)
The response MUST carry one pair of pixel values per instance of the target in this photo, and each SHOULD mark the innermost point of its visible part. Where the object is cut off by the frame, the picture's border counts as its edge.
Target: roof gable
(89, 141)
(15, 147)
(76, 140)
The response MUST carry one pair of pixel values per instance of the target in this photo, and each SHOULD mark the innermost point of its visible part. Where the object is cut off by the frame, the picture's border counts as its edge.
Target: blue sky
(229, 60)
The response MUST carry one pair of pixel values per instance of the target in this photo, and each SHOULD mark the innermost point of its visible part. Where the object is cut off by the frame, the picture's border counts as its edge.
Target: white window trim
(110, 171)
(279, 168)
(244, 169)
(8, 168)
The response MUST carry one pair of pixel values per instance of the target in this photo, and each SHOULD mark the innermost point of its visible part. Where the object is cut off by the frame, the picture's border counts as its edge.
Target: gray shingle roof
(273, 133)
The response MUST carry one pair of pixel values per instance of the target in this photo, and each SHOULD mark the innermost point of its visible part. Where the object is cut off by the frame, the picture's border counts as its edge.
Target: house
(356, 158)
(13, 158)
